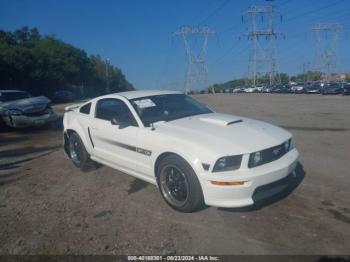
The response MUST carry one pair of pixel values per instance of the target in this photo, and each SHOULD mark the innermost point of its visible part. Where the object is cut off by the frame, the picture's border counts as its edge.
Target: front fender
(74, 126)
(193, 155)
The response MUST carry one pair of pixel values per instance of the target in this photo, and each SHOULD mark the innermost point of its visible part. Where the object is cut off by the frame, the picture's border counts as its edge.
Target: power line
(314, 11)
(284, 3)
(197, 69)
(262, 60)
(212, 14)
(326, 35)
(164, 68)
(215, 11)
(202, 11)
(227, 52)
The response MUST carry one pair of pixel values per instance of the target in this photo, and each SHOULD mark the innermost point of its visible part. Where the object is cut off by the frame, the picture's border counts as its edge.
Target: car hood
(224, 133)
(27, 105)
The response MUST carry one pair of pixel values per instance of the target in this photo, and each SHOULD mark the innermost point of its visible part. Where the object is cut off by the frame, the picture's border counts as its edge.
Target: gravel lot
(47, 206)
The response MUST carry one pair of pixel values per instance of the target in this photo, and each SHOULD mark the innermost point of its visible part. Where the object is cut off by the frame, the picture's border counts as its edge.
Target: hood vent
(221, 120)
(234, 122)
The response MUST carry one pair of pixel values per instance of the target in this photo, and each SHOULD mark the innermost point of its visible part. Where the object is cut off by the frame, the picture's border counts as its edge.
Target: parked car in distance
(267, 89)
(63, 96)
(281, 89)
(346, 89)
(287, 89)
(259, 88)
(190, 152)
(332, 89)
(19, 109)
(313, 89)
(250, 90)
(298, 89)
(276, 89)
(238, 90)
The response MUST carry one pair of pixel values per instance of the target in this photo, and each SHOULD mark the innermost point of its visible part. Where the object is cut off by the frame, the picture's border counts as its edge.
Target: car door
(117, 143)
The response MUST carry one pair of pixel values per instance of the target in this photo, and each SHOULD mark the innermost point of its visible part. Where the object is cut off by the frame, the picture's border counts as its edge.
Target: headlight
(287, 145)
(14, 112)
(255, 159)
(227, 163)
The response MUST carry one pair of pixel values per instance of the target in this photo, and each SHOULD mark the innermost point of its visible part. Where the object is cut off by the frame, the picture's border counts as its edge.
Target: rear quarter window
(85, 109)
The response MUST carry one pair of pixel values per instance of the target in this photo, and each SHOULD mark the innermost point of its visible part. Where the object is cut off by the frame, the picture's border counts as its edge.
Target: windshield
(11, 96)
(167, 107)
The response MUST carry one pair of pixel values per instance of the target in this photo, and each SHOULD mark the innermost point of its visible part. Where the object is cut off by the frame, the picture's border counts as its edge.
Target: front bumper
(242, 195)
(332, 92)
(23, 121)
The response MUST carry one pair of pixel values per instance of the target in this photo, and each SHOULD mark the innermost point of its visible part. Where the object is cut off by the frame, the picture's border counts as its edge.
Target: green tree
(309, 76)
(116, 80)
(284, 78)
(43, 64)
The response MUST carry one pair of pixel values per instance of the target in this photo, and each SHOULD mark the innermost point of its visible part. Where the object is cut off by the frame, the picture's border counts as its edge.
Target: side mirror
(116, 122)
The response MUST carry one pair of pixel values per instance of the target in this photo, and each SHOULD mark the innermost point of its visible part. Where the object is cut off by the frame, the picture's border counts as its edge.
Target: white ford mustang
(194, 155)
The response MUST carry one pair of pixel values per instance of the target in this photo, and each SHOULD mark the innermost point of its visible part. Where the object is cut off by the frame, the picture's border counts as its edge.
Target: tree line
(43, 64)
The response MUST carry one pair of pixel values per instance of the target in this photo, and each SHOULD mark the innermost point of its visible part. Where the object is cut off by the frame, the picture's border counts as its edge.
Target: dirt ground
(47, 206)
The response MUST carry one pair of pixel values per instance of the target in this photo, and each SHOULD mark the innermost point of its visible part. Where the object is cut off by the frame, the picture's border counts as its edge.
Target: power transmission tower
(197, 69)
(306, 71)
(326, 35)
(262, 58)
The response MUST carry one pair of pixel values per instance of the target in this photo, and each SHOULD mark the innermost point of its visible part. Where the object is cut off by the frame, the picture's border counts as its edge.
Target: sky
(136, 35)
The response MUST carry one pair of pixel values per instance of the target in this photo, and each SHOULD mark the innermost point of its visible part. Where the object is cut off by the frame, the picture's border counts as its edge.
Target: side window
(85, 109)
(109, 108)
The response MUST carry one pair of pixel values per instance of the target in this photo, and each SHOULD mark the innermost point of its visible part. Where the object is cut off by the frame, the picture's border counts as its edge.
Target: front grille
(269, 155)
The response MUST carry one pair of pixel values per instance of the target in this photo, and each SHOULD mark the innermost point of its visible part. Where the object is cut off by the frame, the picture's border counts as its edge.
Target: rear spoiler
(72, 107)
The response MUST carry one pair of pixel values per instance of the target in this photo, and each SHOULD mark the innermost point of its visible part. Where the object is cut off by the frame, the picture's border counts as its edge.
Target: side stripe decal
(129, 147)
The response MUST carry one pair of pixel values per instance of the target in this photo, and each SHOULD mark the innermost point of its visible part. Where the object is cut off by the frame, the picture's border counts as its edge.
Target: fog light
(219, 183)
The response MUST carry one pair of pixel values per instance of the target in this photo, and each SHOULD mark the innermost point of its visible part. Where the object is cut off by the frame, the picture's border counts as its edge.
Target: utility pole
(197, 69)
(326, 36)
(262, 58)
(308, 71)
(107, 76)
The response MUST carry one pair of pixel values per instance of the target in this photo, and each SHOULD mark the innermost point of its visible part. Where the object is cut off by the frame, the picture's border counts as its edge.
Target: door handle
(94, 128)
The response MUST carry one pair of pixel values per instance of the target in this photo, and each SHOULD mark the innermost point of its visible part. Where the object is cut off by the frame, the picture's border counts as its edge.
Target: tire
(179, 185)
(78, 153)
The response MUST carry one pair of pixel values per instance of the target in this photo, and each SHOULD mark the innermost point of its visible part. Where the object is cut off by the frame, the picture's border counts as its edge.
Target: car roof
(140, 93)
